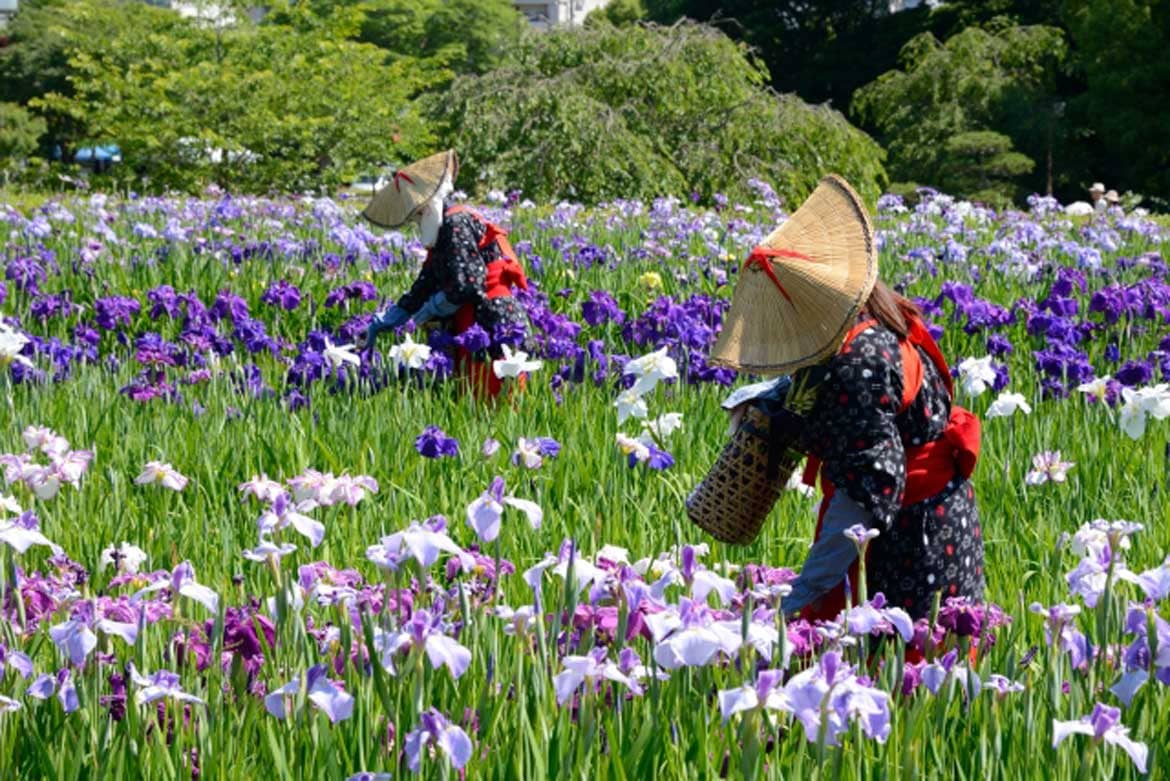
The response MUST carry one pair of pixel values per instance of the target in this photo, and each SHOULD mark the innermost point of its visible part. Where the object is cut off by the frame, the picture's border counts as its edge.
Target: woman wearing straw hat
(872, 400)
(467, 277)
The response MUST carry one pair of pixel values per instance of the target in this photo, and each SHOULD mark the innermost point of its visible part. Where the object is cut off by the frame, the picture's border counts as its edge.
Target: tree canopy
(253, 108)
(604, 112)
(945, 93)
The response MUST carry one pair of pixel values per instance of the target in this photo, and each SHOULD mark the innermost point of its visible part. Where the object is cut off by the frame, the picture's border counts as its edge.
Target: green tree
(619, 13)
(1121, 48)
(982, 165)
(20, 133)
(467, 36)
(978, 80)
(251, 108)
(609, 112)
(822, 51)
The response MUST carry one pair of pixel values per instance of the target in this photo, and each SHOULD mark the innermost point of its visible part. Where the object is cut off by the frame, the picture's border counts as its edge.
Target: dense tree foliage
(995, 97)
(252, 108)
(1123, 51)
(605, 112)
(933, 107)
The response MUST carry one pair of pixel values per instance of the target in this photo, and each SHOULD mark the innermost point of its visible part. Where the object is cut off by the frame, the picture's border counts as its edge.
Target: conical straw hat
(823, 265)
(410, 188)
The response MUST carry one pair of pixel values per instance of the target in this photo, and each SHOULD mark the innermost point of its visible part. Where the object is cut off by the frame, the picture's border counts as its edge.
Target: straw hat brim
(826, 270)
(410, 188)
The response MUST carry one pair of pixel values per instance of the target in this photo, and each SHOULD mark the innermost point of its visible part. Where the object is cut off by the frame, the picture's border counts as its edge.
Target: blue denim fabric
(831, 555)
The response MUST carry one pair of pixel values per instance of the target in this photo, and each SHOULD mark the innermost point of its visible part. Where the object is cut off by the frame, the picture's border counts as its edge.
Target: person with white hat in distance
(1084, 209)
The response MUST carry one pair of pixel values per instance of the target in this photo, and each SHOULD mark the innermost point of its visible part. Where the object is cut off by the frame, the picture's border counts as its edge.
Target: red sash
(929, 467)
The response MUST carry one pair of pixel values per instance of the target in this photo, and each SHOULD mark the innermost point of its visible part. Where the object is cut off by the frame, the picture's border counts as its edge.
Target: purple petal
(444, 650)
(735, 701)
(1137, 751)
(457, 745)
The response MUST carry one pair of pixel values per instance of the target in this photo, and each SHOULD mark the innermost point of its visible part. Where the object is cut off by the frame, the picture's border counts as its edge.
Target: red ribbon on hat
(761, 257)
(398, 175)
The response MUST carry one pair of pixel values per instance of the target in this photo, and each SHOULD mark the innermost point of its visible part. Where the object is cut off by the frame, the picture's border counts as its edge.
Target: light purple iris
(829, 696)
(425, 633)
(874, 617)
(163, 684)
(17, 660)
(1103, 725)
(690, 636)
(767, 693)
(326, 695)
(1136, 658)
(861, 536)
(1002, 685)
(485, 513)
(434, 729)
(75, 639)
(62, 683)
(936, 674)
(23, 532)
(1156, 582)
(589, 668)
(267, 549)
(182, 583)
(423, 542)
(283, 512)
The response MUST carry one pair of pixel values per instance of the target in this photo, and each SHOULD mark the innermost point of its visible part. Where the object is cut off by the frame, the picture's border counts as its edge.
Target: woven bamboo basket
(736, 496)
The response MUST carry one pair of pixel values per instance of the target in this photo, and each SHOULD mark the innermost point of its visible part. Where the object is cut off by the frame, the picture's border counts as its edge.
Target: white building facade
(550, 13)
(7, 11)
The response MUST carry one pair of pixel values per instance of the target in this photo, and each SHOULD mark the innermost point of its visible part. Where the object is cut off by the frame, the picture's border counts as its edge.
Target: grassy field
(222, 419)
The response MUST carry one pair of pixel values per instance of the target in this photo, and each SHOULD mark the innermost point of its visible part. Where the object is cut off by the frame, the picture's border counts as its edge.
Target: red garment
(502, 274)
(929, 467)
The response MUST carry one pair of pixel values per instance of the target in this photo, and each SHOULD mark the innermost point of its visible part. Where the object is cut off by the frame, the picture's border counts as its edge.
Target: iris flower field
(232, 547)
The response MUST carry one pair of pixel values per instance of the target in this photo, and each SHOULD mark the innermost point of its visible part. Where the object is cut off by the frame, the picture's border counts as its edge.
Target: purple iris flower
(17, 660)
(425, 632)
(588, 669)
(326, 695)
(961, 617)
(44, 686)
(163, 684)
(423, 542)
(228, 306)
(433, 442)
(111, 312)
(1103, 725)
(1135, 373)
(474, 339)
(434, 729)
(828, 695)
(601, 308)
(283, 294)
(766, 693)
(936, 674)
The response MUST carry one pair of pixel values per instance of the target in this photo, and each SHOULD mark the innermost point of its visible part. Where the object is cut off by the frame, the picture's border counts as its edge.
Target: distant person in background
(1086, 209)
(467, 277)
(1112, 199)
(1097, 193)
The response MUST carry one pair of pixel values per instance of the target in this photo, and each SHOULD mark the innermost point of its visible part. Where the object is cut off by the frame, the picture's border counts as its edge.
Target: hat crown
(801, 291)
(410, 188)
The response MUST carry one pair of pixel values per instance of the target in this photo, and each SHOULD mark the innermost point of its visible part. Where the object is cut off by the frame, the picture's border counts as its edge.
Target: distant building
(550, 13)
(7, 11)
(906, 5)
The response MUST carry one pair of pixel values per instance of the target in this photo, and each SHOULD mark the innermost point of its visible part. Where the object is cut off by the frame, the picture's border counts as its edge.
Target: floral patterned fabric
(858, 430)
(458, 267)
